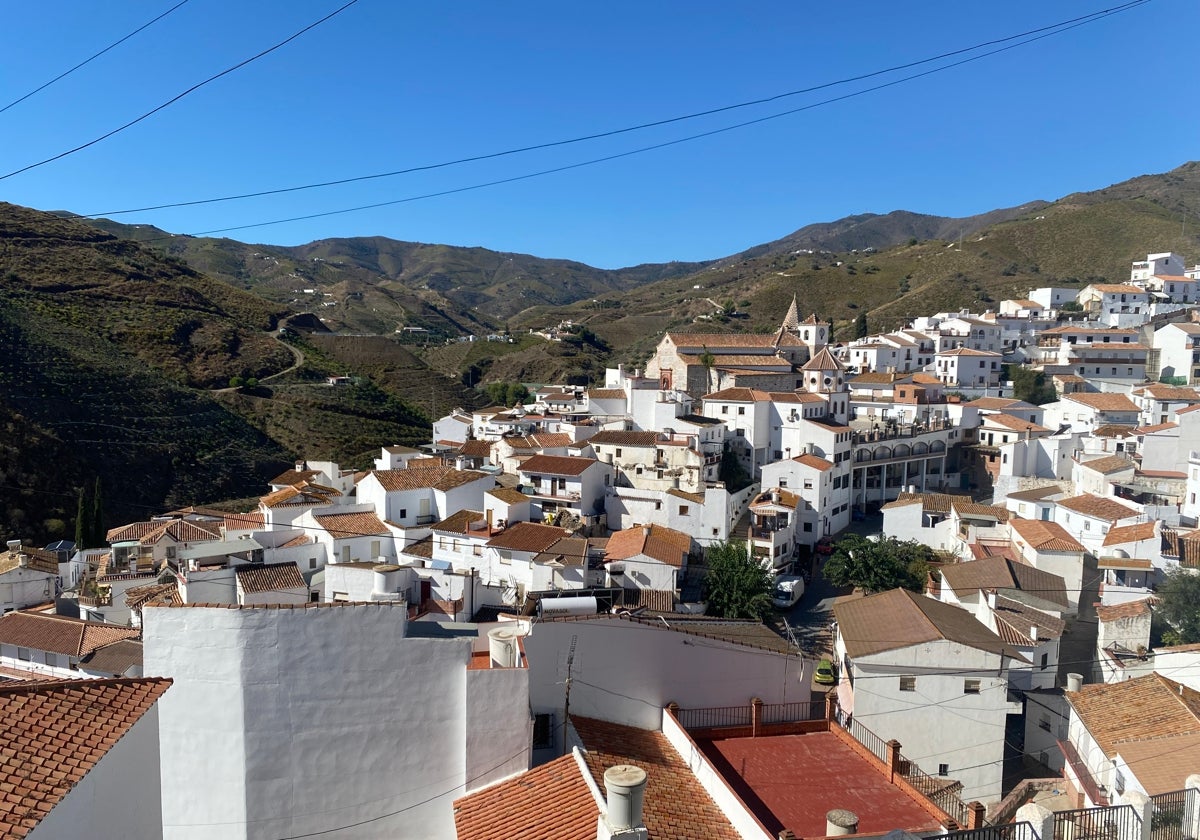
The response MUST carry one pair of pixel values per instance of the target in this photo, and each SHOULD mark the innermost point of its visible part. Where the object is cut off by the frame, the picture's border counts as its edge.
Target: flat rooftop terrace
(792, 781)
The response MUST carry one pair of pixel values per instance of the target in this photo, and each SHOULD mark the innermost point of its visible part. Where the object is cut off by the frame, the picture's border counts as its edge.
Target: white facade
(316, 718)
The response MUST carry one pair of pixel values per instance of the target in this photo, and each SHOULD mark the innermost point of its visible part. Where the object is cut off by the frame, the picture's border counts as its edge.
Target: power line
(1061, 25)
(116, 43)
(192, 89)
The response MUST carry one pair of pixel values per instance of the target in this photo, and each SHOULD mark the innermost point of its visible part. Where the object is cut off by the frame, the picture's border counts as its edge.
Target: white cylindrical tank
(1074, 682)
(626, 789)
(549, 607)
(839, 822)
(387, 578)
(502, 647)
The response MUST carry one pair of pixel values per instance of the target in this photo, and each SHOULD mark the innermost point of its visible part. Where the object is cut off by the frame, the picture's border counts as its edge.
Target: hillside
(376, 285)
(113, 365)
(1081, 238)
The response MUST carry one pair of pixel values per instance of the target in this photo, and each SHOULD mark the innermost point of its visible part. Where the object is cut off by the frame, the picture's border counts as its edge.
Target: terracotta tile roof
(558, 440)
(342, 525)
(1143, 708)
(477, 448)
(736, 395)
(1045, 536)
(1130, 533)
(1169, 393)
(1124, 563)
(508, 495)
(59, 634)
(1127, 609)
(718, 341)
(1114, 430)
(557, 465)
(1103, 402)
(814, 461)
(725, 361)
(1118, 288)
(434, 478)
(873, 378)
(36, 559)
(1036, 494)
(698, 498)
(422, 548)
(623, 438)
(655, 541)
(244, 521)
(996, 403)
(116, 659)
(132, 531)
(567, 551)
(551, 802)
(931, 502)
(296, 496)
(1162, 765)
(1017, 424)
(527, 536)
(676, 806)
(1157, 427)
(460, 522)
(969, 509)
(293, 477)
(1003, 573)
(899, 619)
(137, 597)
(967, 351)
(269, 578)
(303, 539)
(925, 379)
(1021, 624)
(606, 394)
(823, 360)
(55, 733)
(1108, 464)
(1098, 507)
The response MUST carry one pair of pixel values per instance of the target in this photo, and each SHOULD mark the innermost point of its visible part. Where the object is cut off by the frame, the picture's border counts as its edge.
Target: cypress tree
(82, 526)
(97, 521)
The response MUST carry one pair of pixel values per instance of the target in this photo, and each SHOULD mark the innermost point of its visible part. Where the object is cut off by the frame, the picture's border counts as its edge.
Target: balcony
(552, 494)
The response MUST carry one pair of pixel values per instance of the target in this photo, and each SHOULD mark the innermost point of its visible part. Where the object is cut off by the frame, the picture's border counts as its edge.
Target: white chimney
(839, 822)
(502, 648)
(14, 545)
(625, 786)
(1074, 682)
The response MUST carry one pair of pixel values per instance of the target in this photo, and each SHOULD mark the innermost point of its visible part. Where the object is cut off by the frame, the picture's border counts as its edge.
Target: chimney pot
(14, 545)
(625, 786)
(839, 822)
(1074, 682)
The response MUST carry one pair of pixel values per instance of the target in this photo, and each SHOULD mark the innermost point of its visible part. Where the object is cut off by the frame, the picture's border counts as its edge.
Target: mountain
(871, 230)
(377, 285)
(115, 364)
(1080, 238)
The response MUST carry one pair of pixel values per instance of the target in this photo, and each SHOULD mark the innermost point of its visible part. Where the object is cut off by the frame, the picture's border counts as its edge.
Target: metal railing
(1118, 822)
(1010, 831)
(942, 792)
(715, 717)
(1173, 815)
(793, 712)
(867, 738)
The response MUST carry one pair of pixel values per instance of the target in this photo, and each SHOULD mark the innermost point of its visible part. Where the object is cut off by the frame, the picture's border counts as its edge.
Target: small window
(543, 731)
(477, 550)
(807, 526)
(314, 596)
(741, 409)
(808, 485)
(970, 686)
(782, 483)
(1045, 660)
(683, 510)
(617, 454)
(1044, 723)
(724, 409)
(943, 769)
(505, 557)
(23, 654)
(1118, 781)
(312, 562)
(403, 513)
(715, 532)
(908, 683)
(658, 505)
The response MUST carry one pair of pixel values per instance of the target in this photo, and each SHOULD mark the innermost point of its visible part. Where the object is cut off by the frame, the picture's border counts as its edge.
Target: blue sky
(387, 85)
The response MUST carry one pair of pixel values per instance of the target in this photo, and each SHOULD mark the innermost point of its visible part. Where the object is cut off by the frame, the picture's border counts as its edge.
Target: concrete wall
(938, 722)
(626, 672)
(119, 797)
(497, 712)
(25, 587)
(308, 719)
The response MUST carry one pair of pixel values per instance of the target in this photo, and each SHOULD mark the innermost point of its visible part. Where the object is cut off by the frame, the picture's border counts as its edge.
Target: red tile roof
(551, 802)
(436, 478)
(528, 536)
(342, 525)
(676, 806)
(55, 733)
(269, 578)
(59, 634)
(1142, 708)
(1043, 535)
(557, 465)
(1098, 507)
(624, 438)
(1130, 533)
(655, 541)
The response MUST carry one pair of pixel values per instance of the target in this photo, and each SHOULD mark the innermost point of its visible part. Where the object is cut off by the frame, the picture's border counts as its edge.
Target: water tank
(839, 822)
(1074, 682)
(502, 647)
(387, 578)
(549, 607)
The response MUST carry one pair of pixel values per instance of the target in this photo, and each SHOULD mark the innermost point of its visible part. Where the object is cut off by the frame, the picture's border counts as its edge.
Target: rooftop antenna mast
(567, 692)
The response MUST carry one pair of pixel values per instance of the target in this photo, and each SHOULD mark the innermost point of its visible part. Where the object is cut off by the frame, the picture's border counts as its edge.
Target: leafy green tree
(736, 585)
(728, 307)
(1179, 605)
(707, 360)
(235, 382)
(879, 566)
(1031, 386)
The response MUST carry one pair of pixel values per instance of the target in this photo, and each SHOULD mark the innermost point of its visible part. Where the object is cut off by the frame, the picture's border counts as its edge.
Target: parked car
(824, 674)
(825, 546)
(788, 590)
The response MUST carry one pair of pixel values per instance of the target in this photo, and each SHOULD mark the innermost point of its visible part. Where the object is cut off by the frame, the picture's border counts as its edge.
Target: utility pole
(567, 693)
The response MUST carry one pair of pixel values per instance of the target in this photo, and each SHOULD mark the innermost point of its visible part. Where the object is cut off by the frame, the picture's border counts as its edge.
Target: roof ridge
(45, 686)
